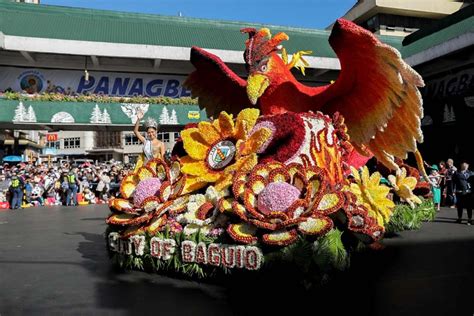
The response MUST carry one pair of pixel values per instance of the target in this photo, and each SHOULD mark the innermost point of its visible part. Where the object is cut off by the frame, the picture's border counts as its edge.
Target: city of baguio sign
(280, 173)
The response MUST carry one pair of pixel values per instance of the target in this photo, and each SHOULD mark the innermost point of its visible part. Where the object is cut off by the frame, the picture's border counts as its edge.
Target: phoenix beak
(256, 86)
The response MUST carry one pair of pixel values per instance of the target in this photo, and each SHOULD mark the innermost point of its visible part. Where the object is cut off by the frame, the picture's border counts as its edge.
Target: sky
(316, 14)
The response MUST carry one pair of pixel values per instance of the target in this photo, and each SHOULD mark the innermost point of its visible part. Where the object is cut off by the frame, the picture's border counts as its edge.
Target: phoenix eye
(263, 68)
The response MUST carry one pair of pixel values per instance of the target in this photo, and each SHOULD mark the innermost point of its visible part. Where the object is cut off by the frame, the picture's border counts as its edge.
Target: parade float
(280, 173)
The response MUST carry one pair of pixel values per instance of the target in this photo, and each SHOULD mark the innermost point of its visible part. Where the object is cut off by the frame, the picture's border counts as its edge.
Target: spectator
(4, 185)
(435, 180)
(37, 194)
(89, 196)
(103, 186)
(73, 185)
(16, 192)
(462, 184)
(28, 190)
(450, 196)
(442, 185)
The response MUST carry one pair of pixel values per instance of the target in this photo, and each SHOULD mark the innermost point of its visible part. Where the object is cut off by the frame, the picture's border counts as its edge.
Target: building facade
(128, 55)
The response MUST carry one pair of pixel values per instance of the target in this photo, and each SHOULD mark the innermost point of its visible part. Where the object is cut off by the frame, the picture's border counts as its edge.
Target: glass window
(73, 142)
(131, 139)
(176, 136)
(164, 137)
(56, 144)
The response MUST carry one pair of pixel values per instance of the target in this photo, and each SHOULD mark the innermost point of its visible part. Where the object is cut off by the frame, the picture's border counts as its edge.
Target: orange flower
(217, 150)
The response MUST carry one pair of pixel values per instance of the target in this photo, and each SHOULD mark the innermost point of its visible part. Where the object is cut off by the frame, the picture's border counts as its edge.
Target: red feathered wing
(376, 92)
(217, 87)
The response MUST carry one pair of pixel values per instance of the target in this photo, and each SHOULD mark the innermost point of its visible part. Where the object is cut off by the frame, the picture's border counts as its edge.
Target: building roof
(148, 35)
(452, 26)
(56, 22)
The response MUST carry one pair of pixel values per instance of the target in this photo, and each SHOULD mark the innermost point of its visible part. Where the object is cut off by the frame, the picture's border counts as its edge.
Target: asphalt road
(53, 261)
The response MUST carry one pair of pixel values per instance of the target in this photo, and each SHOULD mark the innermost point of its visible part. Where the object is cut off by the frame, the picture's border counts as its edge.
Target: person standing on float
(152, 147)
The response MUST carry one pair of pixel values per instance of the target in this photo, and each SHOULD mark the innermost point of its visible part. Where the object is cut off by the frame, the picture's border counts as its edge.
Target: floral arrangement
(59, 97)
(240, 197)
(288, 184)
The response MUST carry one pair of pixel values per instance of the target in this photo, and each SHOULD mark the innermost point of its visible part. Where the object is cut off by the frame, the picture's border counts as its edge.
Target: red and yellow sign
(52, 137)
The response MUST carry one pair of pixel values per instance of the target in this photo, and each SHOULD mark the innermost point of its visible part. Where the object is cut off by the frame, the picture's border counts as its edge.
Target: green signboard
(88, 113)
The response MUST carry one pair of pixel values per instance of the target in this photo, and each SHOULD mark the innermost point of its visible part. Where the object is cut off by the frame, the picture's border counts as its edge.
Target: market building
(74, 51)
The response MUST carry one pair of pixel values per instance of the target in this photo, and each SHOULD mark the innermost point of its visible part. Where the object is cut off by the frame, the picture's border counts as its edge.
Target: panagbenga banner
(36, 80)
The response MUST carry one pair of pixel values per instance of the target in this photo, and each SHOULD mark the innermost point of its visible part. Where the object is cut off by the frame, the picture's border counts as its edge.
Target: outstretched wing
(376, 92)
(217, 87)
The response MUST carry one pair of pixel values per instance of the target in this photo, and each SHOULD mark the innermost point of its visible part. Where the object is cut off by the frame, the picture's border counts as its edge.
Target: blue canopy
(12, 159)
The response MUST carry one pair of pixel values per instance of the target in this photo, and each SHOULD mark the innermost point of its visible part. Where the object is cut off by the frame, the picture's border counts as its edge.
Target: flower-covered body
(147, 197)
(278, 202)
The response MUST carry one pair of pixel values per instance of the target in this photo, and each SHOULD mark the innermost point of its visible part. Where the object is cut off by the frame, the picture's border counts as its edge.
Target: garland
(58, 97)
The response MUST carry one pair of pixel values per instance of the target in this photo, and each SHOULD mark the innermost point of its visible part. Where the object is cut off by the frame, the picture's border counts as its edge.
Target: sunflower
(371, 194)
(217, 150)
(404, 186)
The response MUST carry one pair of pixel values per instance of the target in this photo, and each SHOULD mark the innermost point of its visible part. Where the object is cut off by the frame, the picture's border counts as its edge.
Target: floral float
(255, 184)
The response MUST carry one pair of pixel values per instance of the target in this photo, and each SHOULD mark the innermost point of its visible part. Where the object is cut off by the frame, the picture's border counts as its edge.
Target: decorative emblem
(221, 154)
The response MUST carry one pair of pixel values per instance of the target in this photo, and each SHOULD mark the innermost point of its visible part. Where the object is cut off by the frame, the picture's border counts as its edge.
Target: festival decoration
(291, 184)
(282, 200)
(372, 195)
(404, 187)
(147, 196)
(216, 150)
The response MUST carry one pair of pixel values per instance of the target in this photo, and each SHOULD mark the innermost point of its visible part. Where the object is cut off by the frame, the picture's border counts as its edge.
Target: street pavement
(53, 261)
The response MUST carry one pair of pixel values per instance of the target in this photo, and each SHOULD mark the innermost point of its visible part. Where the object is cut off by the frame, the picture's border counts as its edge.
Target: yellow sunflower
(404, 187)
(372, 194)
(217, 150)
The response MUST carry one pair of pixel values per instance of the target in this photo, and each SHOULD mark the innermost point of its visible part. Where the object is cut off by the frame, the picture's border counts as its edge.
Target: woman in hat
(435, 181)
(152, 147)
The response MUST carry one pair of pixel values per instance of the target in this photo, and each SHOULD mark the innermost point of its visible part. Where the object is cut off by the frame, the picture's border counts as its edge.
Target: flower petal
(281, 237)
(243, 233)
(319, 225)
(192, 166)
(127, 188)
(192, 184)
(245, 121)
(145, 173)
(223, 182)
(155, 224)
(255, 141)
(208, 132)
(226, 124)
(243, 164)
(194, 144)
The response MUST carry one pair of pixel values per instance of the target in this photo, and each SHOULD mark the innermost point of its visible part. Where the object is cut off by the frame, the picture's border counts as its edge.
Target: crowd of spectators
(25, 184)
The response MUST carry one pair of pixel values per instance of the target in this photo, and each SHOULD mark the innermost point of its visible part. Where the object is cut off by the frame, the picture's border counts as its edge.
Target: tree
(174, 117)
(96, 115)
(165, 117)
(31, 116)
(448, 115)
(105, 117)
(20, 113)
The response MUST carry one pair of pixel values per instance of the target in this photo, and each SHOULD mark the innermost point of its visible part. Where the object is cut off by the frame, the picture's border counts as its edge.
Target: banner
(96, 114)
(107, 83)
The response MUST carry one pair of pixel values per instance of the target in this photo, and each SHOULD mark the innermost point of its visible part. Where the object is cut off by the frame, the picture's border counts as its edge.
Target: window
(131, 139)
(164, 137)
(108, 140)
(73, 142)
(176, 136)
(55, 144)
